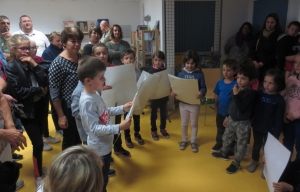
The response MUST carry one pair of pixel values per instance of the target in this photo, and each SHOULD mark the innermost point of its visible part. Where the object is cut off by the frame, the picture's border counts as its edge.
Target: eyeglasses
(35, 47)
(3, 23)
(23, 49)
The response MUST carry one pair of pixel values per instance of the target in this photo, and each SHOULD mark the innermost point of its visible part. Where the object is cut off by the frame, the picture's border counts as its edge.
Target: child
(100, 51)
(190, 71)
(128, 57)
(291, 130)
(94, 113)
(237, 122)
(268, 113)
(158, 59)
(222, 93)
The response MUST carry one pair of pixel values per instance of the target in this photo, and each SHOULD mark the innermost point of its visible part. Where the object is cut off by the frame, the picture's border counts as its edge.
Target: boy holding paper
(128, 57)
(94, 113)
(190, 71)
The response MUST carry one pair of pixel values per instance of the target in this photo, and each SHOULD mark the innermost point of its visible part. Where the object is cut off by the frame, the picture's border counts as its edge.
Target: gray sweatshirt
(96, 122)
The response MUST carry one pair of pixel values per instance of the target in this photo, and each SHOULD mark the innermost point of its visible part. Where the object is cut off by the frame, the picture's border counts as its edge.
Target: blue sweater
(51, 52)
(268, 113)
(196, 74)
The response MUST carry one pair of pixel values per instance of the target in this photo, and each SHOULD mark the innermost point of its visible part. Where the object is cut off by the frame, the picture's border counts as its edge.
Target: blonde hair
(14, 41)
(75, 169)
(53, 34)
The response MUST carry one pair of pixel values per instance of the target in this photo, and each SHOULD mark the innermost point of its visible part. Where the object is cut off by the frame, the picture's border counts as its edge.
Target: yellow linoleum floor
(161, 166)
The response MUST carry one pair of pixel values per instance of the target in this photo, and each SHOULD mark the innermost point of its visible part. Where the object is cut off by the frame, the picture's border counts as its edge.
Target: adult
(28, 83)
(62, 82)
(55, 47)
(116, 45)
(95, 34)
(105, 32)
(82, 165)
(263, 49)
(26, 28)
(4, 34)
(238, 46)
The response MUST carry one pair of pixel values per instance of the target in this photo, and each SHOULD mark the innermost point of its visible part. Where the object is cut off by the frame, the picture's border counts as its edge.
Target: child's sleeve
(202, 85)
(75, 105)
(112, 111)
(90, 120)
(217, 89)
(243, 102)
(278, 124)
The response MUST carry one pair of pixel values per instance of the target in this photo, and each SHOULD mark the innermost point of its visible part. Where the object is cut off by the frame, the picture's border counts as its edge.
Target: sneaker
(19, 184)
(111, 172)
(154, 135)
(60, 132)
(182, 145)
(216, 148)
(194, 147)
(164, 133)
(38, 181)
(128, 142)
(51, 140)
(47, 147)
(139, 139)
(231, 154)
(233, 167)
(123, 152)
(111, 161)
(19, 164)
(219, 155)
(17, 157)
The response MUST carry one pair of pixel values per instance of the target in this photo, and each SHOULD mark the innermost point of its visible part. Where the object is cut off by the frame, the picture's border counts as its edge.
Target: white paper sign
(109, 98)
(186, 89)
(162, 87)
(277, 157)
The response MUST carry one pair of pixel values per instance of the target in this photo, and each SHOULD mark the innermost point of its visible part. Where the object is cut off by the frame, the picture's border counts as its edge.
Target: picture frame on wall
(68, 23)
(99, 21)
(83, 26)
(92, 25)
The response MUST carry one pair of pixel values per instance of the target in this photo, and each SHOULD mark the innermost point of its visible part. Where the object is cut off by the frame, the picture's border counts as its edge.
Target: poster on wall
(99, 21)
(68, 23)
(92, 25)
(83, 26)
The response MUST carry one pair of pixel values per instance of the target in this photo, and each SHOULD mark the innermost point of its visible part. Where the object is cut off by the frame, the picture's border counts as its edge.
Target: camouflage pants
(239, 129)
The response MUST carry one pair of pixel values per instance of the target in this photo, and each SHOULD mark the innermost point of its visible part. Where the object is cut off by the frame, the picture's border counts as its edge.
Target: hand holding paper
(127, 106)
(125, 124)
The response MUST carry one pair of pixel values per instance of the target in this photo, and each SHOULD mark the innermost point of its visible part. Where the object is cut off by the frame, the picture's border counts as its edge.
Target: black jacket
(284, 48)
(19, 84)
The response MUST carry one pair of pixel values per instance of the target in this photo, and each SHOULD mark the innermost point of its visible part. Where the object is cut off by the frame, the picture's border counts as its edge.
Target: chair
(211, 76)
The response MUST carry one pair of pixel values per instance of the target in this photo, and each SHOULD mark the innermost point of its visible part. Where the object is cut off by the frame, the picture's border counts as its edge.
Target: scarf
(267, 33)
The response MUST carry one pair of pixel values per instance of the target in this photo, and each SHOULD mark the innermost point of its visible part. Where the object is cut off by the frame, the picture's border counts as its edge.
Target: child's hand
(106, 87)
(290, 117)
(236, 89)
(125, 124)
(282, 186)
(199, 95)
(127, 106)
(255, 64)
(173, 94)
(225, 122)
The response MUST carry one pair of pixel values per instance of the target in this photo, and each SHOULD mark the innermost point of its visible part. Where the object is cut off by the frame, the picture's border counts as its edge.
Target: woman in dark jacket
(263, 49)
(27, 83)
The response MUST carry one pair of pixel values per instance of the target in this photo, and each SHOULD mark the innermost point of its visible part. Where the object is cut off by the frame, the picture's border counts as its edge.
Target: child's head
(127, 56)
(100, 51)
(245, 74)
(297, 64)
(229, 68)
(293, 28)
(91, 72)
(158, 59)
(191, 60)
(274, 81)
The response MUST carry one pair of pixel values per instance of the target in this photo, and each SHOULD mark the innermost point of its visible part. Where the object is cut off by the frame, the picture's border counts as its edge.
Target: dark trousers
(54, 116)
(45, 100)
(34, 129)
(105, 169)
(291, 133)
(71, 135)
(117, 138)
(136, 125)
(259, 141)
(162, 105)
(220, 132)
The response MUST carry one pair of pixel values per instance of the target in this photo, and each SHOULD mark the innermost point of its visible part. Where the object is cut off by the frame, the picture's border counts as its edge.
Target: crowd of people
(259, 90)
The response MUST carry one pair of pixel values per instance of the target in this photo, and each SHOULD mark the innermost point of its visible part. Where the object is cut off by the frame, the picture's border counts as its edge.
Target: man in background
(4, 34)
(106, 32)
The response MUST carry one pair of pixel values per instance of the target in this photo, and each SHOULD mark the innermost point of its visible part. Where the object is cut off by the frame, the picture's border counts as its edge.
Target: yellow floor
(161, 166)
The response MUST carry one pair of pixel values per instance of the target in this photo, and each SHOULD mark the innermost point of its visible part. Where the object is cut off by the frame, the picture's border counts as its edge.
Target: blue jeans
(105, 169)
(17, 122)
(291, 133)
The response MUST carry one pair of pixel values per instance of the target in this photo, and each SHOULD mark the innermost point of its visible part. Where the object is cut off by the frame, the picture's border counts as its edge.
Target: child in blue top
(268, 113)
(222, 93)
(190, 71)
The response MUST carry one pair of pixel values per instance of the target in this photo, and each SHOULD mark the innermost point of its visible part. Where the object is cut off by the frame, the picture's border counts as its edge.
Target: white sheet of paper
(145, 91)
(277, 157)
(186, 89)
(109, 98)
(122, 79)
(162, 87)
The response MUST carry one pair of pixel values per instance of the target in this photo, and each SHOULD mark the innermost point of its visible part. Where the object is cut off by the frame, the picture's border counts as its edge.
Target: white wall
(293, 13)
(48, 15)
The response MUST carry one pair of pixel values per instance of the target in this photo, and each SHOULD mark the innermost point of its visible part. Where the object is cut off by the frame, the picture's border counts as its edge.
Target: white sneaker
(38, 182)
(51, 140)
(19, 184)
(47, 147)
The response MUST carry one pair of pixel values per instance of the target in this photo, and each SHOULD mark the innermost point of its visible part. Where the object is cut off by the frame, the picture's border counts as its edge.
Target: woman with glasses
(95, 35)
(27, 83)
(62, 82)
(55, 47)
(116, 45)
